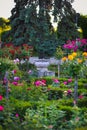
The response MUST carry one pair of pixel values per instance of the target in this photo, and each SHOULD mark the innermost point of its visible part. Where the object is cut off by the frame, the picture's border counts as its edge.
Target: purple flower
(16, 61)
(69, 91)
(16, 78)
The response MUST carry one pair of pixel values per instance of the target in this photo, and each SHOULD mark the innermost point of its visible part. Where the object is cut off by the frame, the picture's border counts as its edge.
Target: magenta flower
(1, 108)
(75, 44)
(65, 82)
(69, 80)
(17, 115)
(38, 83)
(55, 80)
(15, 83)
(44, 81)
(80, 96)
(1, 97)
(16, 78)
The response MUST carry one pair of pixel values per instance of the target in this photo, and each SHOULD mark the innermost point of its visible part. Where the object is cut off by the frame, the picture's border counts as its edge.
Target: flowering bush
(75, 63)
(12, 52)
(74, 45)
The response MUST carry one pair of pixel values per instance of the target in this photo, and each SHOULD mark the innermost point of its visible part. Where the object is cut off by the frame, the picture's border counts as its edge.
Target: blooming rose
(1, 108)
(1, 97)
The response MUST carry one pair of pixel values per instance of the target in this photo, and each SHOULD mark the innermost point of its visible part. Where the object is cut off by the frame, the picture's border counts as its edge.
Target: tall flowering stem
(75, 63)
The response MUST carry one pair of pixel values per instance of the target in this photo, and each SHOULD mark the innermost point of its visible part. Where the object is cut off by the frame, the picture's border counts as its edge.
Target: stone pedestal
(42, 68)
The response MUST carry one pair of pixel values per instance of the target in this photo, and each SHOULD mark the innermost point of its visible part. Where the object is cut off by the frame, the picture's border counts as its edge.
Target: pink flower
(55, 80)
(16, 61)
(1, 108)
(44, 81)
(80, 96)
(74, 102)
(30, 71)
(15, 83)
(69, 80)
(17, 115)
(1, 97)
(39, 83)
(65, 82)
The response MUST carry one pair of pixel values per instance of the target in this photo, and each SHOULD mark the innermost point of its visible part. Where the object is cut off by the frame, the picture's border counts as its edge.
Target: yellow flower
(64, 59)
(70, 57)
(74, 54)
(79, 60)
(85, 54)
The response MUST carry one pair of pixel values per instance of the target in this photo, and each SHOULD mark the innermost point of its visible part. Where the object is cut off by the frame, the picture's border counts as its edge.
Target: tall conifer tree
(31, 22)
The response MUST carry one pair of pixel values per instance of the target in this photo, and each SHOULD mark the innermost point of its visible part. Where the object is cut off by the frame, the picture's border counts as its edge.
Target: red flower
(12, 52)
(9, 45)
(14, 71)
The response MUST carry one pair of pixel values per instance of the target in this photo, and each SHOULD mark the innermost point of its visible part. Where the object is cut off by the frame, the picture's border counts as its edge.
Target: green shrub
(82, 102)
(82, 128)
(6, 65)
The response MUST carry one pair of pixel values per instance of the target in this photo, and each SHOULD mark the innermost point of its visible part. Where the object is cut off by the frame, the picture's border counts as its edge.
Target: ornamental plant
(12, 52)
(74, 45)
(75, 62)
(59, 53)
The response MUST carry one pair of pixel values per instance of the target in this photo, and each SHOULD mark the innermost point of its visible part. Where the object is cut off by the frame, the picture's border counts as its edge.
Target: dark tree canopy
(82, 22)
(31, 23)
